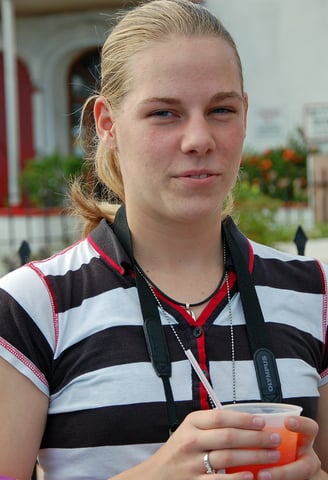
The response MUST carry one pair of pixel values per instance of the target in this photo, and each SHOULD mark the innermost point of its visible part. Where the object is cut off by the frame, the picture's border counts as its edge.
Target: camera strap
(257, 330)
(152, 326)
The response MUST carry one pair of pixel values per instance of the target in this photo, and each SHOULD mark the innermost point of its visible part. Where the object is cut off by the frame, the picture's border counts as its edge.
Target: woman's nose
(197, 137)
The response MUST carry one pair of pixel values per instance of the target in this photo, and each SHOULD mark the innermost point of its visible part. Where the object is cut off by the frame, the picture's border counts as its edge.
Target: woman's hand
(307, 465)
(230, 438)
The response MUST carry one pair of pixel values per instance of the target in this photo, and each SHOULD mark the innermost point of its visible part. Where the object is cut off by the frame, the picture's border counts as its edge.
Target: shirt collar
(105, 242)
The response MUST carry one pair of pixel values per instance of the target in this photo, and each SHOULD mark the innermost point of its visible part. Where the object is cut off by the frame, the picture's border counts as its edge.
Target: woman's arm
(23, 414)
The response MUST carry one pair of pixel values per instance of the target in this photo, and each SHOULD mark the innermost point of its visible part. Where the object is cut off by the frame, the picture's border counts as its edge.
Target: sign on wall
(270, 124)
(316, 122)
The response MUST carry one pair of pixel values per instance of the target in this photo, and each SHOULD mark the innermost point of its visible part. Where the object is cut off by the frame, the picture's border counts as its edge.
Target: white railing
(45, 231)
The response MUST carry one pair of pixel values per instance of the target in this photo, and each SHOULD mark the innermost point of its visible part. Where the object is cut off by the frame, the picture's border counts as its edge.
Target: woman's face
(179, 131)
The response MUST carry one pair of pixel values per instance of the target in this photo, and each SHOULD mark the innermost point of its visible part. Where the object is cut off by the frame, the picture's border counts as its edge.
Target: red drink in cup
(274, 414)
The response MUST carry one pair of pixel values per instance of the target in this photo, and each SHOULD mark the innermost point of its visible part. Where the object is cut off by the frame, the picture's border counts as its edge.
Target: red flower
(288, 154)
(266, 164)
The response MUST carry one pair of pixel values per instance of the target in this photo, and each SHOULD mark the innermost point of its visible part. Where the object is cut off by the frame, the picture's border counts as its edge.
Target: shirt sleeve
(26, 325)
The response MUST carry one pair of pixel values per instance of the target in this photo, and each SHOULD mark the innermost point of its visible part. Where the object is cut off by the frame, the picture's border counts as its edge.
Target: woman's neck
(184, 260)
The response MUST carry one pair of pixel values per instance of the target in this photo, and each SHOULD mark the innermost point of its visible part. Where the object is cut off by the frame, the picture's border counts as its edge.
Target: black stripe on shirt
(119, 425)
(126, 424)
(17, 327)
(88, 281)
(300, 276)
(107, 348)
(305, 346)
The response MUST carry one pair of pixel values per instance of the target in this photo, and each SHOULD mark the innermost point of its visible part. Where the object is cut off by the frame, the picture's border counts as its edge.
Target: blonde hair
(153, 21)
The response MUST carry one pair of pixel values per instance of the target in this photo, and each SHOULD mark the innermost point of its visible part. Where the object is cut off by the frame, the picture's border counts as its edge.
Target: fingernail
(273, 455)
(258, 422)
(264, 476)
(275, 439)
(292, 422)
(248, 476)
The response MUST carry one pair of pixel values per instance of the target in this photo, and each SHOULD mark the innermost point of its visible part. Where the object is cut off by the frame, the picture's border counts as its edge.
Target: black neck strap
(257, 330)
(154, 333)
(264, 360)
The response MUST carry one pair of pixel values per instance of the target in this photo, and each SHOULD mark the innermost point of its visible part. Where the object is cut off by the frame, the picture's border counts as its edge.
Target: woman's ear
(104, 122)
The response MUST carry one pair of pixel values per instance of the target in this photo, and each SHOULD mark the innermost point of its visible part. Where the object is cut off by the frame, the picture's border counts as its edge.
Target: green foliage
(255, 214)
(44, 181)
(279, 172)
(320, 230)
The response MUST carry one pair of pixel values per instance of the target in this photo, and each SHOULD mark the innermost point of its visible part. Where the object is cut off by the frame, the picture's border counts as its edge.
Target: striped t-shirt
(73, 325)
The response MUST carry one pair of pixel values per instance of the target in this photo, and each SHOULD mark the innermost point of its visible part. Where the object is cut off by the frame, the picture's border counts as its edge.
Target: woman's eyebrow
(175, 101)
(229, 94)
(168, 100)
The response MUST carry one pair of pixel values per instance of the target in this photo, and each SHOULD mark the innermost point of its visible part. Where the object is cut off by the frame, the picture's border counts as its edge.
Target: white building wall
(283, 47)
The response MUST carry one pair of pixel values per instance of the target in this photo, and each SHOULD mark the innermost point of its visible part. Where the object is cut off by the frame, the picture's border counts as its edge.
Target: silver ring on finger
(207, 463)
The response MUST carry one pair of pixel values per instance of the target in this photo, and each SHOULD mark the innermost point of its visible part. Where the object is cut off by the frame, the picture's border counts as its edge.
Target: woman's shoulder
(33, 279)
(271, 252)
(302, 272)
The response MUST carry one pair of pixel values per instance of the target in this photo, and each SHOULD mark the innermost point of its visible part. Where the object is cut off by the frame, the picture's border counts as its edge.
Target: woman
(77, 384)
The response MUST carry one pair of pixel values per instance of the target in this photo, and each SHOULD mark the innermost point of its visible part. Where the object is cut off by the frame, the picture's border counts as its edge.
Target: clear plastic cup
(274, 414)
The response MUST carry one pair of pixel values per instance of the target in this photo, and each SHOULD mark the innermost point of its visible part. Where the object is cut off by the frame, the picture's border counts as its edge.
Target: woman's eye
(222, 110)
(162, 113)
